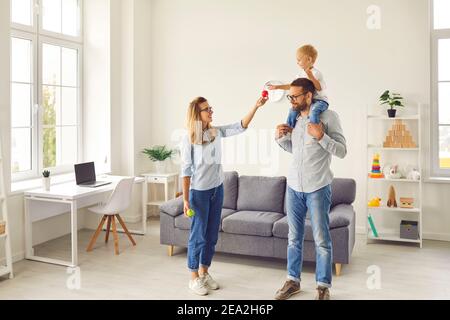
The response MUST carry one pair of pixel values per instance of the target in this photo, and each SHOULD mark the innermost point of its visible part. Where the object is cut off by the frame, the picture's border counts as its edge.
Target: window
(46, 53)
(22, 12)
(440, 35)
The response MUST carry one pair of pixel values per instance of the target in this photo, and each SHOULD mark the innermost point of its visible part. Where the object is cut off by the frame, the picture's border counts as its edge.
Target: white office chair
(118, 202)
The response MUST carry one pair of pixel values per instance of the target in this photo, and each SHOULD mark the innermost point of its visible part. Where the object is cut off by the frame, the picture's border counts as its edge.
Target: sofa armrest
(342, 215)
(172, 207)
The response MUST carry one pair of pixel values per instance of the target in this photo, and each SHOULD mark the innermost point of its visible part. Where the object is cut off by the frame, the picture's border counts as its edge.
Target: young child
(306, 58)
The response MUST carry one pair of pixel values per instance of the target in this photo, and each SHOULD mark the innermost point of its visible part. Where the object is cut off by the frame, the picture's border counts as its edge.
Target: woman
(203, 186)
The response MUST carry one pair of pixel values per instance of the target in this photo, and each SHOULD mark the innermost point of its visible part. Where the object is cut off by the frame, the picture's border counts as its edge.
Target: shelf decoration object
(393, 173)
(407, 203)
(372, 226)
(414, 174)
(376, 169)
(393, 100)
(399, 137)
(391, 201)
(374, 203)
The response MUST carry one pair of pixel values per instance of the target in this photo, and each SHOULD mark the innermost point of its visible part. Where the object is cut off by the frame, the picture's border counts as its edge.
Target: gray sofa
(254, 220)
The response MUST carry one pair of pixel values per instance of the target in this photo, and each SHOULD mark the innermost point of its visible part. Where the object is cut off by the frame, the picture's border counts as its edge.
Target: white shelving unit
(413, 155)
(4, 238)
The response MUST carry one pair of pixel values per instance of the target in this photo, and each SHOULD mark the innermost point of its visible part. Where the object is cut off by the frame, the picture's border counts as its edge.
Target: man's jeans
(318, 203)
(205, 226)
(317, 108)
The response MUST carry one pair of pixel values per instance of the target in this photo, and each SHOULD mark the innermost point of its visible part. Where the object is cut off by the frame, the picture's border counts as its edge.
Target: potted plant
(393, 100)
(46, 180)
(159, 155)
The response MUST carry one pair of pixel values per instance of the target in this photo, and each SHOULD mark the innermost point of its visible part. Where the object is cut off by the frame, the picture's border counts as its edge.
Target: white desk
(41, 204)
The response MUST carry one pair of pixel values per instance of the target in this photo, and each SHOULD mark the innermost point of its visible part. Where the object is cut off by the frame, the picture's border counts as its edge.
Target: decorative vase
(161, 166)
(46, 183)
(392, 113)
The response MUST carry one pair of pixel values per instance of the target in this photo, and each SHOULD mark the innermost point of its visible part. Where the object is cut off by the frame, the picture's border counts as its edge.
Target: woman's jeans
(318, 203)
(205, 226)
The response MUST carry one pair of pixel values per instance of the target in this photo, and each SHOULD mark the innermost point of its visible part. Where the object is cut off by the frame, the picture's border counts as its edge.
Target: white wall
(142, 83)
(130, 70)
(226, 50)
(97, 89)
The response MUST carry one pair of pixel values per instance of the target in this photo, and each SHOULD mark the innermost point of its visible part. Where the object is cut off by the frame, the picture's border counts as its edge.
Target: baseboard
(436, 236)
(16, 258)
(360, 230)
(136, 218)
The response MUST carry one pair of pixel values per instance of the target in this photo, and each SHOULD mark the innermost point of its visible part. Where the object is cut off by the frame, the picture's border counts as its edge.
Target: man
(309, 186)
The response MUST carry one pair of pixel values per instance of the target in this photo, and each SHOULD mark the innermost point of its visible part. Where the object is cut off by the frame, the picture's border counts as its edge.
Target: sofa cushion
(184, 223)
(261, 194)
(343, 191)
(252, 223)
(340, 216)
(172, 207)
(230, 188)
(281, 229)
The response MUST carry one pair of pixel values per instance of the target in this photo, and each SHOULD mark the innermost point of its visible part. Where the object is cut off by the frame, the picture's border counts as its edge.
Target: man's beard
(301, 107)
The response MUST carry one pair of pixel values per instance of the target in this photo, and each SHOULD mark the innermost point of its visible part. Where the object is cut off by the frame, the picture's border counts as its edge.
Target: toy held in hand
(265, 94)
(190, 213)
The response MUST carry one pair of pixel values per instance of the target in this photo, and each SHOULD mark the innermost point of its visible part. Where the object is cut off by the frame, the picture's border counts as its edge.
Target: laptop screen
(85, 172)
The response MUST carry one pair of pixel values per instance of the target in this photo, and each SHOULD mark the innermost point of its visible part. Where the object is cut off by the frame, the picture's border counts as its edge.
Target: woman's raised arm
(249, 117)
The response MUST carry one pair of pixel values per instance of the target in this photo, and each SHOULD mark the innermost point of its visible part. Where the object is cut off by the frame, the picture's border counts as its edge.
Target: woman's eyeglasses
(209, 110)
(293, 98)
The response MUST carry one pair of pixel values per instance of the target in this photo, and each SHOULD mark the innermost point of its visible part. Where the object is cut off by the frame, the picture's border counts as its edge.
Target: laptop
(85, 176)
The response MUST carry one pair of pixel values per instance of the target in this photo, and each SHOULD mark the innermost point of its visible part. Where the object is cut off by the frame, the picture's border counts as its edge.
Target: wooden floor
(146, 272)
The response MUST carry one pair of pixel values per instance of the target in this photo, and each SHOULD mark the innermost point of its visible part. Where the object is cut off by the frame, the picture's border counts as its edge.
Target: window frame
(65, 168)
(62, 36)
(436, 35)
(29, 174)
(24, 27)
(38, 36)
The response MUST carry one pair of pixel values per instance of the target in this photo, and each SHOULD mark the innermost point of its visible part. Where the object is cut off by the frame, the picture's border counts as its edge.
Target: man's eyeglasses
(293, 98)
(209, 110)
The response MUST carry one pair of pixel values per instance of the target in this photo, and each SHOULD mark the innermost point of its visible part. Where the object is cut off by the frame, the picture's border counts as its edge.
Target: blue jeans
(205, 226)
(317, 108)
(318, 203)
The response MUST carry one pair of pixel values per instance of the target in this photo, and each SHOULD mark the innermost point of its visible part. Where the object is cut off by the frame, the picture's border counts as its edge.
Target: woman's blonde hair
(194, 121)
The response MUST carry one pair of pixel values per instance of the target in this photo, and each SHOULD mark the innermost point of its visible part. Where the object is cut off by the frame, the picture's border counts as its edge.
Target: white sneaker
(198, 287)
(209, 282)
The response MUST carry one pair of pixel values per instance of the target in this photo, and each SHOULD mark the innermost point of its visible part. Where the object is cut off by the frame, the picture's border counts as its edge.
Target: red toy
(265, 94)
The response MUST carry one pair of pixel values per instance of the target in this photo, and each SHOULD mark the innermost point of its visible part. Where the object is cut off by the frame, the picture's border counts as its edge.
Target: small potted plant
(393, 100)
(46, 180)
(159, 155)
